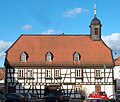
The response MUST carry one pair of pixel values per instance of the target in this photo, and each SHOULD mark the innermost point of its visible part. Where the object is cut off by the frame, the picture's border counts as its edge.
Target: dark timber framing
(66, 79)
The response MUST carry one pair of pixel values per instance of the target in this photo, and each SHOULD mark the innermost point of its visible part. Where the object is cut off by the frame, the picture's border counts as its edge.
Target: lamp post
(104, 75)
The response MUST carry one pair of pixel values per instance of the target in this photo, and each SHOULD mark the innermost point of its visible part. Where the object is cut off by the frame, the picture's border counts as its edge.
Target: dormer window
(49, 56)
(23, 57)
(96, 31)
(76, 56)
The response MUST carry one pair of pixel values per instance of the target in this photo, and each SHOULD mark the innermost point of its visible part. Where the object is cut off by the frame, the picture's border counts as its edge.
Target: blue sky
(55, 17)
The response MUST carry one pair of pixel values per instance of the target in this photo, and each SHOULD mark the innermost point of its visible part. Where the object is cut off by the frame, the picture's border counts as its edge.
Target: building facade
(2, 78)
(80, 64)
(117, 68)
(117, 75)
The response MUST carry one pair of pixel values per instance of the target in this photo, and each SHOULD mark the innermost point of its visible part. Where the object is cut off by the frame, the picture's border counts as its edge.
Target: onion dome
(95, 21)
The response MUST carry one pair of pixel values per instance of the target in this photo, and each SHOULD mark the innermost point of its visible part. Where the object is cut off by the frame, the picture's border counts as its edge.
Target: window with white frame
(97, 73)
(23, 57)
(48, 73)
(57, 73)
(30, 73)
(21, 73)
(49, 56)
(78, 73)
(78, 89)
(76, 56)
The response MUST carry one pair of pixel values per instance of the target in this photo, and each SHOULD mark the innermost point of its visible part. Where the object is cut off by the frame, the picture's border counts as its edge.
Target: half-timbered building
(2, 78)
(78, 63)
(117, 68)
(117, 74)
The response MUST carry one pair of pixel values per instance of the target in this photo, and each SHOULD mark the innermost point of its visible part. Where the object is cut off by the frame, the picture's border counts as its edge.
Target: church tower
(95, 27)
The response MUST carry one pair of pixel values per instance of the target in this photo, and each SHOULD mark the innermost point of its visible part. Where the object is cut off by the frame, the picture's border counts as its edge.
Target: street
(71, 100)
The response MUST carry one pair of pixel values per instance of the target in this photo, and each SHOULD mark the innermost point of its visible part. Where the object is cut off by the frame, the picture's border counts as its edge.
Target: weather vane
(94, 10)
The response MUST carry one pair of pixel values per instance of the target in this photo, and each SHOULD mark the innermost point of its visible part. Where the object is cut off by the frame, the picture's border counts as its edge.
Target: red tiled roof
(2, 73)
(62, 47)
(117, 61)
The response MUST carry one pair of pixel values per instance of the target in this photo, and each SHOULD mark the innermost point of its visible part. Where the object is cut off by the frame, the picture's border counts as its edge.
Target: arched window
(76, 56)
(96, 31)
(23, 57)
(49, 56)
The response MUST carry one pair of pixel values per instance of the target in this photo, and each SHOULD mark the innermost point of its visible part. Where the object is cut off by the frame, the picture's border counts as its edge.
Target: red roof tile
(62, 47)
(117, 61)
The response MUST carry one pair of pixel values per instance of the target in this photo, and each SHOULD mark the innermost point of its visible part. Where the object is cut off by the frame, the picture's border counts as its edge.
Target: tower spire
(94, 10)
(95, 27)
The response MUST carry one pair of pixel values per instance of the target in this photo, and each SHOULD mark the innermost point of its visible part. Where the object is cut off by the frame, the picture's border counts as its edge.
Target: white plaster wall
(117, 72)
(108, 89)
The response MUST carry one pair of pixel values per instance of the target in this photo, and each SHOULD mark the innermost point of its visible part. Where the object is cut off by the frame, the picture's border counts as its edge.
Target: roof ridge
(55, 35)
